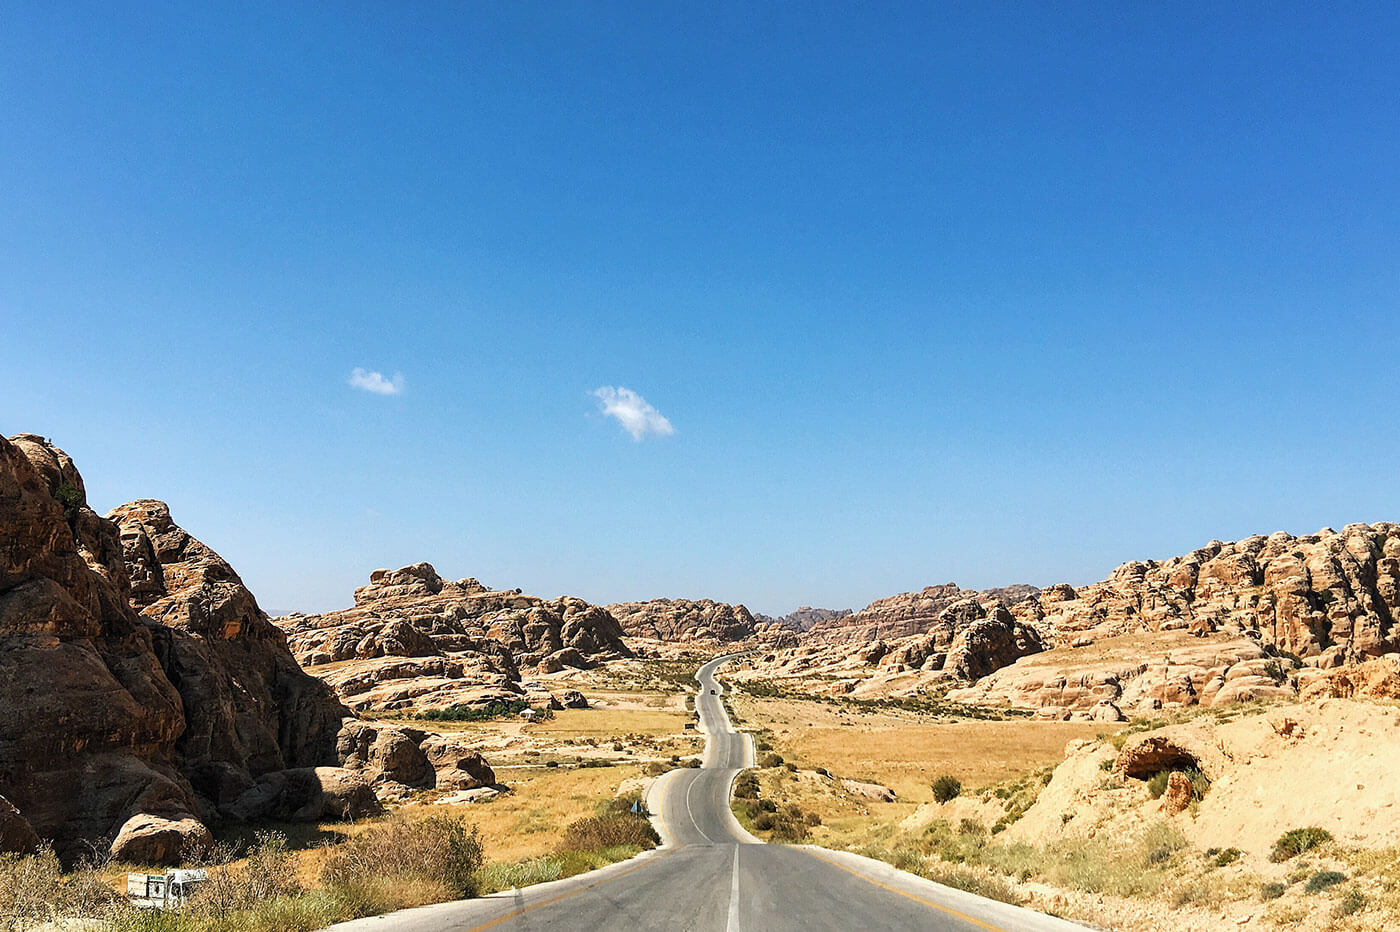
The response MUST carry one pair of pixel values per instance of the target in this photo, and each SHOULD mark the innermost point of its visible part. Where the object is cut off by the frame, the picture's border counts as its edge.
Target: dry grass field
(906, 751)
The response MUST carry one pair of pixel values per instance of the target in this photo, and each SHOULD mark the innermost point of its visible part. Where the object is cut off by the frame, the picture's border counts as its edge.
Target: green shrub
(70, 498)
(1272, 890)
(1322, 880)
(1227, 857)
(609, 831)
(1157, 783)
(468, 713)
(1351, 902)
(946, 788)
(1294, 842)
(437, 849)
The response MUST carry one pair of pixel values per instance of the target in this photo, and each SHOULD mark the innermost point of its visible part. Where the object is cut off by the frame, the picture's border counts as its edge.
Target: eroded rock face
(249, 707)
(906, 615)
(416, 640)
(307, 794)
(90, 720)
(1303, 595)
(458, 767)
(684, 620)
(804, 619)
(385, 755)
(147, 839)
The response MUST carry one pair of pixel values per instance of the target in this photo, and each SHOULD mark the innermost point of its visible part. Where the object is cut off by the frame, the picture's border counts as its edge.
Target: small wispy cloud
(633, 412)
(370, 381)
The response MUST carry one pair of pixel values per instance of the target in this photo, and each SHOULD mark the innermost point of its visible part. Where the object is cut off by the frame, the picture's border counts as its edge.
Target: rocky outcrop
(88, 718)
(144, 694)
(905, 615)
(684, 620)
(249, 707)
(386, 756)
(1333, 590)
(147, 839)
(416, 640)
(457, 766)
(804, 619)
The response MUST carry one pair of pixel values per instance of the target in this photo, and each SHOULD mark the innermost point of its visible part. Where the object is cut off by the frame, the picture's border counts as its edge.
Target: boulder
(384, 754)
(309, 794)
(458, 767)
(149, 839)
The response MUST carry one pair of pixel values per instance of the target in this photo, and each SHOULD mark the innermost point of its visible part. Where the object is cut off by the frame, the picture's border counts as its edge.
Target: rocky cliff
(416, 640)
(684, 620)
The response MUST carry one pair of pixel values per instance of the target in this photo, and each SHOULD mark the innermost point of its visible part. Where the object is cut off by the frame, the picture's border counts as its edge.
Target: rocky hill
(137, 730)
(416, 640)
(906, 614)
(1260, 618)
(804, 619)
(147, 697)
(684, 620)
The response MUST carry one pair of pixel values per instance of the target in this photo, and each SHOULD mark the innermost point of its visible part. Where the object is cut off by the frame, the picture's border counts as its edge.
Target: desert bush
(771, 760)
(609, 831)
(979, 882)
(1352, 901)
(1157, 783)
(1272, 890)
(468, 713)
(1322, 880)
(746, 786)
(946, 788)
(520, 873)
(811, 819)
(767, 805)
(439, 849)
(1227, 857)
(1294, 842)
(765, 821)
(34, 889)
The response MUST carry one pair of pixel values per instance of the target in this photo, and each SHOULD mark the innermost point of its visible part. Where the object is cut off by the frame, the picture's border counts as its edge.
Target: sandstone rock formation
(90, 719)
(415, 640)
(906, 614)
(144, 693)
(804, 619)
(684, 620)
(249, 707)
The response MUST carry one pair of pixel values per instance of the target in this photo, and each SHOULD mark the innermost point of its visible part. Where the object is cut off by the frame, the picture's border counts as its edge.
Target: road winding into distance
(709, 875)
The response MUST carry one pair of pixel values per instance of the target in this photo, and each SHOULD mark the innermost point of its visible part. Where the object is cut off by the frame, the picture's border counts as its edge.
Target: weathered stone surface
(458, 767)
(907, 614)
(16, 834)
(804, 619)
(1376, 679)
(90, 720)
(249, 707)
(684, 620)
(307, 794)
(987, 640)
(383, 754)
(147, 839)
(415, 640)
(1177, 796)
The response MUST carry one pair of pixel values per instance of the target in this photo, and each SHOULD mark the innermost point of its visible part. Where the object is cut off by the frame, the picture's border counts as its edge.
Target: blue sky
(978, 292)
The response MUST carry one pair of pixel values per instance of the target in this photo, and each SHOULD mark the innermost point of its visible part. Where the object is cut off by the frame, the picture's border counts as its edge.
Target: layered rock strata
(416, 640)
(684, 620)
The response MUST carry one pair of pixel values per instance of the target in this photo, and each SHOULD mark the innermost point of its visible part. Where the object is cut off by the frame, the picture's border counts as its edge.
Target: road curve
(710, 875)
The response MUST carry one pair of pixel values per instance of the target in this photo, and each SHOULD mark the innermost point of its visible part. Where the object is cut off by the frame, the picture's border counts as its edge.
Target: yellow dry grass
(901, 751)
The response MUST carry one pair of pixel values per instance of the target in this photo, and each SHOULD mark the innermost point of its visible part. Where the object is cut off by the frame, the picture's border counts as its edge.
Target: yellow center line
(884, 886)
(564, 896)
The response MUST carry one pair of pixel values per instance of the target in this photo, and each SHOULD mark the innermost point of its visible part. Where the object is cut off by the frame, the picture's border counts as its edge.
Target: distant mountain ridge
(804, 619)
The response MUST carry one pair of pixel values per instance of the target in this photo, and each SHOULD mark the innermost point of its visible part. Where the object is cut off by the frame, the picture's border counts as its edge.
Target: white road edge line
(691, 812)
(733, 923)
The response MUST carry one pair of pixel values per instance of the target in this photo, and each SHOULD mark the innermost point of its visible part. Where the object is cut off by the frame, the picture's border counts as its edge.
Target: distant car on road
(712, 692)
(689, 726)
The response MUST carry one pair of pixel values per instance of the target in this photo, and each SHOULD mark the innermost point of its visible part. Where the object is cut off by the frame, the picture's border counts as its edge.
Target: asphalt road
(709, 875)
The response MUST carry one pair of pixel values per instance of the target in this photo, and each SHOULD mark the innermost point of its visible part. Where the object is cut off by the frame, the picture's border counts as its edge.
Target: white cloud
(375, 382)
(633, 412)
